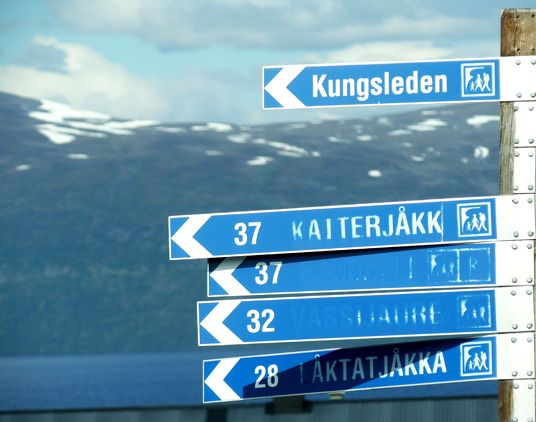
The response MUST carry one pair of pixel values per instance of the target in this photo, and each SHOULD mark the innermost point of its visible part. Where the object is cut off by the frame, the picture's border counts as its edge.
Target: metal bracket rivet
(514, 419)
(533, 94)
(530, 187)
(514, 326)
(518, 95)
(529, 291)
(531, 386)
(513, 292)
(529, 339)
(530, 233)
(516, 187)
(516, 108)
(529, 373)
(514, 280)
(514, 247)
(516, 386)
(516, 154)
(533, 61)
(516, 234)
(529, 325)
(515, 200)
(531, 108)
(531, 140)
(513, 339)
(529, 246)
(529, 280)
(518, 62)
(529, 200)
(531, 154)
(514, 373)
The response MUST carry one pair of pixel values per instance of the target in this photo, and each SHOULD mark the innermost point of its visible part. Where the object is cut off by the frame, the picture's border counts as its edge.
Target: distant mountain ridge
(84, 263)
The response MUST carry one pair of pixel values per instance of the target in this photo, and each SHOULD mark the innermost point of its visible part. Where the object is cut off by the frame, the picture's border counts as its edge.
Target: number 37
(247, 233)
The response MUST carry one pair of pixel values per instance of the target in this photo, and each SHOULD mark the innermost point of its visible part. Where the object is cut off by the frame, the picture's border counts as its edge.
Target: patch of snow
(56, 136)
(23, 167)
(464, 160)
(428, 112)
(214, 126)
(364, 138)
(239, 138)
(386, 121)
(102, 128)
(282, 147)
(57, 112)
(78, 156)
(481, 152)
(479, 120)
(71, 130)
(296, 126)
(315, 154)
(337, 140)
(290, 154)
(171, 129)
(427, 125)
(259, 161)
(399, 132)
(64, 123)
(407, 144)
(417, 158)
(219, 127)
(375, 173)
(131, 124)
(213, 153)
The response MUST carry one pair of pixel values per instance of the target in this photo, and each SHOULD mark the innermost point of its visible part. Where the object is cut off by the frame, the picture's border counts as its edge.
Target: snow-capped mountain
(85, 199)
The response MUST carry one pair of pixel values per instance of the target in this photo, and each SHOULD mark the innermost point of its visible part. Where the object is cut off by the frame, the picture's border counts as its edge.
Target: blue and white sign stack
(447, 284)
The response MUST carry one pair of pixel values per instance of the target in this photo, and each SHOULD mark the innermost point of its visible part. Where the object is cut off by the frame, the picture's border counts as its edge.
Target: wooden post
(518, 38)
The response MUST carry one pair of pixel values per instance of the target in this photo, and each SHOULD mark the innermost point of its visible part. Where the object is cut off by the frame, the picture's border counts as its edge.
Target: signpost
(461, 220)
(386, 315)
(411, 364)
(442, 81)
(450, 266)
(436, 245)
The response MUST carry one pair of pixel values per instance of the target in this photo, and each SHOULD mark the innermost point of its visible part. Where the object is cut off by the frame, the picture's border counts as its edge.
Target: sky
(201, 60)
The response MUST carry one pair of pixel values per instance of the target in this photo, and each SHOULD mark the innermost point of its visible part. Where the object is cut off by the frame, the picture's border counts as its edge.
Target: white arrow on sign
(278, 87)
(184, 237)
(216, 380)
(223, 275)
(213, 322)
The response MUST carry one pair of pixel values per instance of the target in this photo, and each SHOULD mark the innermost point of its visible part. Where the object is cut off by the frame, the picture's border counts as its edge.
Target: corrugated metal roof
(483, 409)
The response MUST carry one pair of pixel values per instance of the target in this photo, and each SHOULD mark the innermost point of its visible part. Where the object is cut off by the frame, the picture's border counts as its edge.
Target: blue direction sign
(336, 85)
(411, 364)
(311, 318)
(352, 227)
(462, 265)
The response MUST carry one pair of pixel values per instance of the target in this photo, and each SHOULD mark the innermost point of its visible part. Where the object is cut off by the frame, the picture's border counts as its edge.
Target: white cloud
(281, 24)
(85, 79)
(393, 51)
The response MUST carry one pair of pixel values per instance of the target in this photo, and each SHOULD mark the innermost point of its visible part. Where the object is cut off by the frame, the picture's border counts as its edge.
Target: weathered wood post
(518, 38)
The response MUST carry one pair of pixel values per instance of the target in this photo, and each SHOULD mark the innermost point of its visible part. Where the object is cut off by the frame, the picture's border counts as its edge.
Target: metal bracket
(525, 124)
(514, 263)
(518, 221)
(515, 308)
(524, 401)
(518, 78)
(524, 169)
(515, 356)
